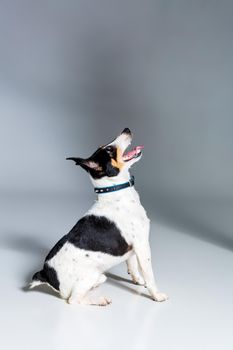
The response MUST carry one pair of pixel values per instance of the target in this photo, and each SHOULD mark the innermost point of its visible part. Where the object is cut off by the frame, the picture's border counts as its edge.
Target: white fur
(34, 284)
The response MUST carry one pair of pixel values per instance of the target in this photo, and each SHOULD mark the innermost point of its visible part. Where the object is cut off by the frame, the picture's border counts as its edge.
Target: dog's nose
(126, 131)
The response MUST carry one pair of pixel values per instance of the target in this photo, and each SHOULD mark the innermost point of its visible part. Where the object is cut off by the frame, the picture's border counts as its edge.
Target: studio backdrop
(74, 74)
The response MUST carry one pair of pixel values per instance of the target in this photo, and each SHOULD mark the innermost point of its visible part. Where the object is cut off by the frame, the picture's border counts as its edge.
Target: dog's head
(111, 160)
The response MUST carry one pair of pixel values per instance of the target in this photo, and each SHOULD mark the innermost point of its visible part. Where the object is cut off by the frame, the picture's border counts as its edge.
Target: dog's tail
(48, 275)
(37, 279)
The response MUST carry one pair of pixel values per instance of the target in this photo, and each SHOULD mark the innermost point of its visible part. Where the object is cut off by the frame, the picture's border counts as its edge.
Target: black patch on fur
(111, 170)
(49, 275)
(126, 131)
(102, 157)
(39, 276)
(56, 248)
(93, 233)
(98, 234)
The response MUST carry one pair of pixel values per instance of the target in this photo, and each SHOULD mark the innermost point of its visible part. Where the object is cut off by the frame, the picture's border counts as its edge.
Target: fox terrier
(115, 229)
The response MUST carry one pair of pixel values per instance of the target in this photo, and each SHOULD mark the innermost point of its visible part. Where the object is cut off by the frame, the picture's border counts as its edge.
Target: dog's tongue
(134, 152)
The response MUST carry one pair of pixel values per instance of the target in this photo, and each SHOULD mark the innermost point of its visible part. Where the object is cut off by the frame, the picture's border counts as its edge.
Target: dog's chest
(127, 213)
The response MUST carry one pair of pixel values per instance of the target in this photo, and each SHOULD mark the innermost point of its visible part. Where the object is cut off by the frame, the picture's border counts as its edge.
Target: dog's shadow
(119, 281)
(27, 244)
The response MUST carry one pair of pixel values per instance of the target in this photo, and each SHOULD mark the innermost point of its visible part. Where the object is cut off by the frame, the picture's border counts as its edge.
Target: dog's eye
(109, 149)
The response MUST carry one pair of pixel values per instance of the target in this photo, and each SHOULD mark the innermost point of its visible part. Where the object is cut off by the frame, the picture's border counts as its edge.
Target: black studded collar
(101, 190)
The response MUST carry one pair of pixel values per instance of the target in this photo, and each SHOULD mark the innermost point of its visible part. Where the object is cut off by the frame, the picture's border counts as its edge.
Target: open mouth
(134, 153)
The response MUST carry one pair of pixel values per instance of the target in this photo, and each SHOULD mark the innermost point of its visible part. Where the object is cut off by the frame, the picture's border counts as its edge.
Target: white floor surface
(195, 274)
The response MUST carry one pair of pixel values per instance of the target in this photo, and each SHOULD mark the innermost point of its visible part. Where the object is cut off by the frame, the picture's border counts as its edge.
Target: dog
(115, 229)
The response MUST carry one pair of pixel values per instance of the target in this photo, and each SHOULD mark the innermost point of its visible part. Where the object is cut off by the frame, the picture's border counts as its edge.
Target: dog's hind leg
(81, 288)
(133, 270)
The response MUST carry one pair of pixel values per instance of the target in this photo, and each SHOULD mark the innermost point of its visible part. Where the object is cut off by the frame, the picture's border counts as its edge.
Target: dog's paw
(103, 301)
(72, 301)
(158, 296)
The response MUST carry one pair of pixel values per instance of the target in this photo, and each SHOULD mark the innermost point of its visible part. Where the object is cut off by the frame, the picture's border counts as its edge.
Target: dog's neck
(111, 181)
(125, 193)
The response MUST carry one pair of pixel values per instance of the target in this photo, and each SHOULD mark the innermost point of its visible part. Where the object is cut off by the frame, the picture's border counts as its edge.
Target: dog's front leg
(133, 270)
(142, 250)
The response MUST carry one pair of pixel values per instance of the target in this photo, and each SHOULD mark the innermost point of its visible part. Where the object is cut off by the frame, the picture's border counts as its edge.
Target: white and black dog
(115, 229)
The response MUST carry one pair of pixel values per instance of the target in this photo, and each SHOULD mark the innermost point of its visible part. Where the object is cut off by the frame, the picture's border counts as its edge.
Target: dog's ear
(78, 161)
(85, 163)
(111, 170)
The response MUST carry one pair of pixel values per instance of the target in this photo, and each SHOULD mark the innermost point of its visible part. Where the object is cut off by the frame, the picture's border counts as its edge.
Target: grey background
(75, 73)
